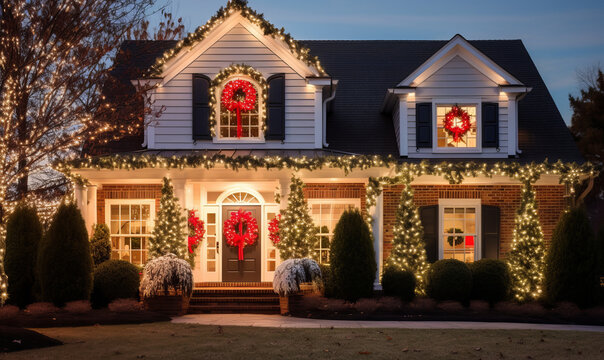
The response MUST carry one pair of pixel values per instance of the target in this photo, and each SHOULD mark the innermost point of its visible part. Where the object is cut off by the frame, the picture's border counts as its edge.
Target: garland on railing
(299, 51)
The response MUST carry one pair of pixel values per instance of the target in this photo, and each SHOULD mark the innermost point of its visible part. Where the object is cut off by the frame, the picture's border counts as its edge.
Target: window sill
(238, 141)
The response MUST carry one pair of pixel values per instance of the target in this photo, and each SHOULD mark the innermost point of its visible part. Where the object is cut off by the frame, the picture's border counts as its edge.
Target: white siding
(458, 79)
(174, 129)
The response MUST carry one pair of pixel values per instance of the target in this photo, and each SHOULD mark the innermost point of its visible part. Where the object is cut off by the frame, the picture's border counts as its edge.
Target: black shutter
(423, 125)
(429, 218)
(275, 108)
(201, 107)
(490, 232)
(490, 125)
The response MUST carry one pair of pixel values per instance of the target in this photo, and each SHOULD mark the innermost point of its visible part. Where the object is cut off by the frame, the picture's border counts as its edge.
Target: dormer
(457, 104)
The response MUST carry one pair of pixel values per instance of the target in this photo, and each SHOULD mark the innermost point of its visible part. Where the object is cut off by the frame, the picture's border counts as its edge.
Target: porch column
(81, 200)
(91, 213)
(179, 192)
(377, 214)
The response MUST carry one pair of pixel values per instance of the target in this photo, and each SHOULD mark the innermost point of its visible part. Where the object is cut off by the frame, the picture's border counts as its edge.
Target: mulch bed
(93, 317)
(16, 339)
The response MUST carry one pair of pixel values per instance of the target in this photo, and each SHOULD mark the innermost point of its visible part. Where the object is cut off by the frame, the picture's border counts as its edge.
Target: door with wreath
(241, 253)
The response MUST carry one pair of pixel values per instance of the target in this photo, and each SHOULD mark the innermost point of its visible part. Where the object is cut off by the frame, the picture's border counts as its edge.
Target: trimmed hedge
(115, 279)
(100, 244)
(23, 234)
(399, 283)
(329, 290)
(491, 280)
(64, 266)
(571, 268)
(449, 280)
(352, 257)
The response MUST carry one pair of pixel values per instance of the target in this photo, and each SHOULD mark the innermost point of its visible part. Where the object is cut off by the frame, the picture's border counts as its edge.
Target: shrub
(399, 283)
(328, 286)
(23, 234)
(64, 265)
(450, 306)
(571, 271)
(292, 272)
(449, 280)
(78, 307)
(367, 306)
(352, 257)
(42, 308)
(167, 274)
(8, 312)
(125, 305)
(114, 279)
(491, 280)
(100, 244)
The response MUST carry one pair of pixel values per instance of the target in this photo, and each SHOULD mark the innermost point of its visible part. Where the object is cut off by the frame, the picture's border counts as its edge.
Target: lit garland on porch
(223, 75)
(299, 51)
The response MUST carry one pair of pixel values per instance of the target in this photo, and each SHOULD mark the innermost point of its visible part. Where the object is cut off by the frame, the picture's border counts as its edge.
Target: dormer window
(238, 111)
(456, 126)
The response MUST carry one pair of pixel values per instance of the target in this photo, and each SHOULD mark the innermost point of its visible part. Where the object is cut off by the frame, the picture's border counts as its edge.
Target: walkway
(292, 322)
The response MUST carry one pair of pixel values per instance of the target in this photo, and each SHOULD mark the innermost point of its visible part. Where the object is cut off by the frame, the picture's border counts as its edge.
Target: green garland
(224, 74)
(299, 51)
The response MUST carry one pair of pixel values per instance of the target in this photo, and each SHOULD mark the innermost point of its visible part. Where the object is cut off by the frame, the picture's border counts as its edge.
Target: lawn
(166, 340)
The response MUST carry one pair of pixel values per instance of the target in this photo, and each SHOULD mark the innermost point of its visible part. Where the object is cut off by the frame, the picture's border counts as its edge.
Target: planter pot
(171, 305)
(291, 303)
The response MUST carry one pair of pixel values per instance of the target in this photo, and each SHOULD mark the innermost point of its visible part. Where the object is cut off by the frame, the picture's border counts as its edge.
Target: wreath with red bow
(273, 229)
(457, 122)
(241, 229)
(240, 96)
(196, 231)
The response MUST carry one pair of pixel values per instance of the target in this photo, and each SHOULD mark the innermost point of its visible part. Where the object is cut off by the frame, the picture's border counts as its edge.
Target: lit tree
(170, 231)
(297, 231)
(408, 247)
(527, 258)
(3, 277)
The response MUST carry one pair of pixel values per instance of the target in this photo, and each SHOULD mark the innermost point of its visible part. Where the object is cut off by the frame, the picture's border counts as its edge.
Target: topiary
(166, 274)
(491, 280)
(571, 271)
(100, 244)
(399, 283)
(449, 279)
(352, 257)
(64, 266)
(114, 279)
(23, 234)
(328, 285)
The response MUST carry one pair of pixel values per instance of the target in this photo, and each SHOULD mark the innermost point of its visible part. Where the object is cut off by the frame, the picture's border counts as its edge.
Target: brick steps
(234, 298)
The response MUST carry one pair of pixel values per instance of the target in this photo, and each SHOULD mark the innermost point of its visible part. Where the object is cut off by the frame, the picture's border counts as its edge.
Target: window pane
(211, 218)
(115, 212)
(125, 211)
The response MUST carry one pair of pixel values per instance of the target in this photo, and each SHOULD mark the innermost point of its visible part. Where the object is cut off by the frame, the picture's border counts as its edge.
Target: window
(271, 249)
(326, 214)
(212, 245)
(130, 224)
(459, 230)
(250, 119)
(446, 140)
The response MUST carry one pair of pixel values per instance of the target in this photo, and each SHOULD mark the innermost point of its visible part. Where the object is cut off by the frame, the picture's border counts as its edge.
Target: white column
(512, 124)
(318, 117)
(179, 192)
(81, 198)
(403, 131)
(91, 216)
(377, 214)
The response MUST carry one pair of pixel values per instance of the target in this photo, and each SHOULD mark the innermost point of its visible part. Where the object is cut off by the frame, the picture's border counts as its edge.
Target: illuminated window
(326, 214)
(445, 139)
(250, 119)
(459, 232)
(131, 224)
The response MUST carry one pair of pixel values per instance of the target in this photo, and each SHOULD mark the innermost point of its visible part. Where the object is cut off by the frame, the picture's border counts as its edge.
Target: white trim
(458, 46)
(318, 116)
(475, 203)
(403, 131)
(462, 102)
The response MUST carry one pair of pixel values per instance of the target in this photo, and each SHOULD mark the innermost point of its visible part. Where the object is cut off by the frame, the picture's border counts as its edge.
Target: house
(244, 105)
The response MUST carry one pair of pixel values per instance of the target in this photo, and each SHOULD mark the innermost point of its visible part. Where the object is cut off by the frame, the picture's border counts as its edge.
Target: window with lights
(456, 126)
(459, 232)
(239, 109)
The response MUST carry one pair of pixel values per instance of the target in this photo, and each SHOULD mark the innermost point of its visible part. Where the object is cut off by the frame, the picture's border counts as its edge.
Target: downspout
(334, 87)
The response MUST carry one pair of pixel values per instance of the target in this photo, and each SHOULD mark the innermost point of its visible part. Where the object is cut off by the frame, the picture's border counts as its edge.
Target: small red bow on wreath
(457, 122)
(231, 99)
(241, 229)
(196, 231)
(273, 229)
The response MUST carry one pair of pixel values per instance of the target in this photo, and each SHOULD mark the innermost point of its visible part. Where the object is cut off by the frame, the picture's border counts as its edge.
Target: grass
(183, 341)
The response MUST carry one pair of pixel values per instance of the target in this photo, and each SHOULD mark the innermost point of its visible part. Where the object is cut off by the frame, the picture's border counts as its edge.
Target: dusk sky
(561, 36)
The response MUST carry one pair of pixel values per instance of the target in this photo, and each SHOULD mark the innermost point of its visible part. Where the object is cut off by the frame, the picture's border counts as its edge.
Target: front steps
(256, 298)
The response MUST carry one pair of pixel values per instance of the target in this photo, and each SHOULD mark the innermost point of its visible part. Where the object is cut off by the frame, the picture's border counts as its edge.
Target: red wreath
(196, 231)
(273, 229)
(457, 122)
(239, 95)
(241, 229)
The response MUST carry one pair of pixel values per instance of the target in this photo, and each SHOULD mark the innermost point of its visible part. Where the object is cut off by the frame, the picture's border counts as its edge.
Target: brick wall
(550, 200)
(150, 191)
(336, 191)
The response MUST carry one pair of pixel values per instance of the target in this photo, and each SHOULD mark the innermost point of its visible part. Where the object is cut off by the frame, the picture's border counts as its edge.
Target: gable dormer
(237, 82)
(457, 104)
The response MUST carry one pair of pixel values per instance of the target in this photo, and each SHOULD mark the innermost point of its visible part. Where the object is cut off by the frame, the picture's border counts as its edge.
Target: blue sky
(561, 36)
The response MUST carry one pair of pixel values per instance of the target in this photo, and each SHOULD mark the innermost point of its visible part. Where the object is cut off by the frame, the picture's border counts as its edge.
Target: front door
(247, 269)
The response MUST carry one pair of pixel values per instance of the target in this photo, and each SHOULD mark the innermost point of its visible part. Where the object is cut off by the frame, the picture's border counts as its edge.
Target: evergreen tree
(169, 233)
(408, 247)
(100, 244)
(297, 231)
(527, 258)
(23, 233)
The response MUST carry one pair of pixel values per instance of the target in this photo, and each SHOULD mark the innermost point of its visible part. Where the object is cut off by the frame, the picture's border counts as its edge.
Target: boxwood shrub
(449, 280)
(114, 279)
(491, 280)
(399, 283)
(327, 280)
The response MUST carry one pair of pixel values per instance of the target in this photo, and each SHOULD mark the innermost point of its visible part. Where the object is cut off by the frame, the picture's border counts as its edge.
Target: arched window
(241, 198)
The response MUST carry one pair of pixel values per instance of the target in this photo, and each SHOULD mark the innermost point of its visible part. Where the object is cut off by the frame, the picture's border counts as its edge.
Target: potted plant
(167, 285)
(294, 279)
